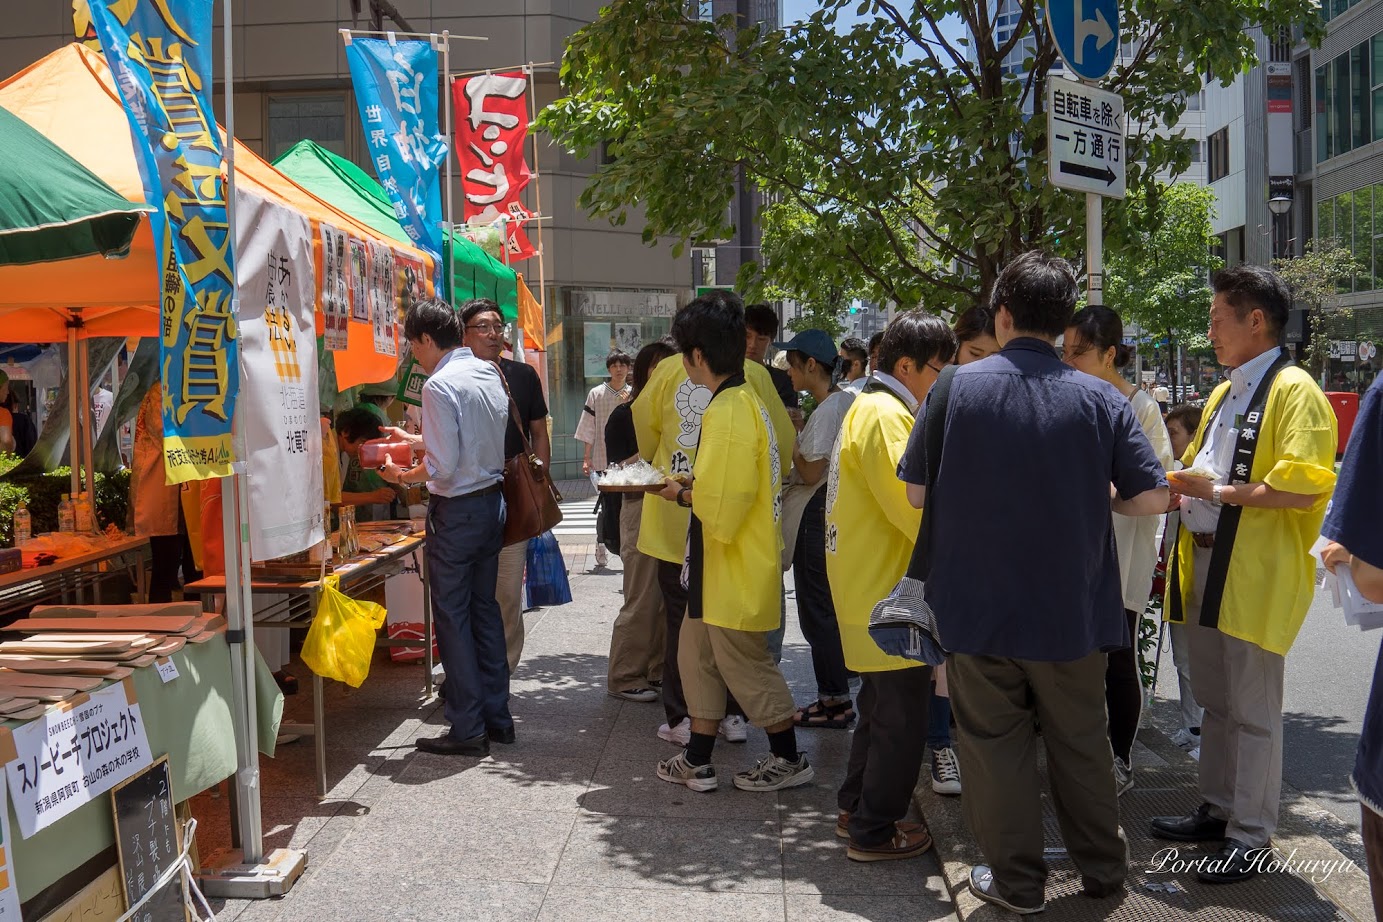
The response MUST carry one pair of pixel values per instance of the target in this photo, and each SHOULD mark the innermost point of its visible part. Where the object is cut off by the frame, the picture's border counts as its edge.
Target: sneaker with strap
(945, 771)
(774, 773)
(678, 770)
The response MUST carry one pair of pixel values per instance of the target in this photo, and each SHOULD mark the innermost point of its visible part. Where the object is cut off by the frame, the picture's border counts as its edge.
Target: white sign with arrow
(1086, 144)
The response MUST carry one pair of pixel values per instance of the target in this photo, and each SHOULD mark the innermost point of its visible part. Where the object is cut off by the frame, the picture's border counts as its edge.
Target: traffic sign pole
(1094, 248)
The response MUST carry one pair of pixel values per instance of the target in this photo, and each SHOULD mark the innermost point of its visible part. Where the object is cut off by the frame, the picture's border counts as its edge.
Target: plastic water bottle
(82, 515)
(67, 516)
(23, 525)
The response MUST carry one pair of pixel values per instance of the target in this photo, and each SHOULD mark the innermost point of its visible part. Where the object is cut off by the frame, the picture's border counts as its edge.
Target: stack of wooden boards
(60, 652)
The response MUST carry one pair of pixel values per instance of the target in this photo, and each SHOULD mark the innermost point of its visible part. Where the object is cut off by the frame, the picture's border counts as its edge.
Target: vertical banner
(336, 298)
(360, 281)
(9, 885)
(491, 127)
(396, 87)
(382, 295)
(279, 348)
(160, 56)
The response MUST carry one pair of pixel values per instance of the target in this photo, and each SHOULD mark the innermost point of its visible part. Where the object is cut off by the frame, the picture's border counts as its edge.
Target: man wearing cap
(812, 364)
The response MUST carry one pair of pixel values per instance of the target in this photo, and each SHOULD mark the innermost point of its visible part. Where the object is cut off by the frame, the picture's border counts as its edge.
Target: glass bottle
(23, 525)
(67, 518)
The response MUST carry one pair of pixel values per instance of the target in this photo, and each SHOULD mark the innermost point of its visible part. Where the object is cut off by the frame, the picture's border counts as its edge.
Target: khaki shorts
(714, 660)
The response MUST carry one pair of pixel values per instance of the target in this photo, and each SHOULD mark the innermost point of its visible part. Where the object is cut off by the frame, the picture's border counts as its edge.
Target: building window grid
(1351, 220)
(1217, 155)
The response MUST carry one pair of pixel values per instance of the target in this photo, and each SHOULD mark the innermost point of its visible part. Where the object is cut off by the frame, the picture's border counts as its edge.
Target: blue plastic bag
(546, 581)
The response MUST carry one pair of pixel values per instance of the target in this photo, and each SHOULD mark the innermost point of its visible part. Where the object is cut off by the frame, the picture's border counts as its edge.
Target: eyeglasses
(486, 327)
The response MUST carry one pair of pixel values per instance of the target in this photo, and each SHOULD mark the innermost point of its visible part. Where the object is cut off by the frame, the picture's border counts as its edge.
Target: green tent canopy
(345, 186)
(52, 207)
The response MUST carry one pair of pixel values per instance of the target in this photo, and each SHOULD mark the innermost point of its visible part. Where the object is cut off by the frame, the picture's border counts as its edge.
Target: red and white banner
(491, 127)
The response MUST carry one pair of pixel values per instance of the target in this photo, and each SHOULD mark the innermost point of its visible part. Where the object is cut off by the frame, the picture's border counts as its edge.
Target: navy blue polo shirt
(1023, 559)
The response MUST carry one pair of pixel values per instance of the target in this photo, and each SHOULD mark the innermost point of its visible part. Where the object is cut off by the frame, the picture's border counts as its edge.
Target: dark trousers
(170, 554)
(815, 610)
(464, 534)
(675, 606)
(995, 700)
(1373, 854)
(885, 752)
(1123, 693)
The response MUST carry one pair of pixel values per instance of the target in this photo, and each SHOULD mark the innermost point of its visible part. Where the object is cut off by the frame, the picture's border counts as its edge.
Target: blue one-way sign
(1086, 33)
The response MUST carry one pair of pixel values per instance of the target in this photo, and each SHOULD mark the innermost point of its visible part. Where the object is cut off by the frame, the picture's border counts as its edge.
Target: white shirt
(1135, 536)
(600, 403)
(856, 386)
(465, 411)
(1222, 434)
(818, 438)
(893, 384)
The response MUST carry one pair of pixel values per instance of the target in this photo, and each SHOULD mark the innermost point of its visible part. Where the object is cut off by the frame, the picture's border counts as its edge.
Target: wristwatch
(1217, 498)
(681, 498)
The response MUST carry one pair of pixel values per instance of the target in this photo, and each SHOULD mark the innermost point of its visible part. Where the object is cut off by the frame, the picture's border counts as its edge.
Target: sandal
(822, 716)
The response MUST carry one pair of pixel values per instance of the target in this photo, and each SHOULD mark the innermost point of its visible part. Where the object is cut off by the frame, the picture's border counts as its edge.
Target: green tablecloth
(189, 719)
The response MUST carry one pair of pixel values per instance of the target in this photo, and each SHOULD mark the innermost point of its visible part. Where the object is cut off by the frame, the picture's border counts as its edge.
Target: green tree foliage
(1160, 277)
(912, 152)
(1315, 278)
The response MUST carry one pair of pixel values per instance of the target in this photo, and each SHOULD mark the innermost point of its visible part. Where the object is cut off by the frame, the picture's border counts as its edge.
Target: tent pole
(88, 424)
(247, 875)
(74, 458)
(448, 243)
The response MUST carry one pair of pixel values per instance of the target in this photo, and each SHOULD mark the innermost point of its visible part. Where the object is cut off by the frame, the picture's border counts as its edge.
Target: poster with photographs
(360, 281)
(336, 300)
(382, 294)
(629, 338)
(412, 275)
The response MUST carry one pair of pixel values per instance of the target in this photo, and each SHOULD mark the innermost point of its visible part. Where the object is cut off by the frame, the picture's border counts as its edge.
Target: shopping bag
(341, 641)
(546, 582)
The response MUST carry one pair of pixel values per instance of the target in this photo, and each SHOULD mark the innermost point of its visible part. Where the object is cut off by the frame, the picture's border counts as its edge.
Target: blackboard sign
(149, 840)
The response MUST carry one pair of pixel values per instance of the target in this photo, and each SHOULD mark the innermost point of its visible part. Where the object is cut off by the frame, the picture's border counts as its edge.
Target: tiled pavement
(568, 823)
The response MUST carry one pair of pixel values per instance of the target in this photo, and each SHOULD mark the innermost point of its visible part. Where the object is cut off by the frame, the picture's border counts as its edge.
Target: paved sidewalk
(571, 821)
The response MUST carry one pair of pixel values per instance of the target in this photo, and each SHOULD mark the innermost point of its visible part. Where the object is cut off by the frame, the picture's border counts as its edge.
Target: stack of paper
(1359, 611)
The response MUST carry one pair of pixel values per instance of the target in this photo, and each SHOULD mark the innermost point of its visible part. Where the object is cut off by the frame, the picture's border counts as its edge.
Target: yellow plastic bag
(341, 641)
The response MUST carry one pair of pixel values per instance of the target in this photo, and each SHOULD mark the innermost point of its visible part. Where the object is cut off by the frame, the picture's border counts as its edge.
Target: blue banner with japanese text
(159, 53)
(396, 89)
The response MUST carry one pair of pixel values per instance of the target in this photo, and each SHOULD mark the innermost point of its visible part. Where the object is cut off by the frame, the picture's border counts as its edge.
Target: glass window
(1325, 219)
(1376, 264)
(1363, 238)
(1322, 133)
(1344, 231)
(1360, 105)
(1339, 103)
(319, 117)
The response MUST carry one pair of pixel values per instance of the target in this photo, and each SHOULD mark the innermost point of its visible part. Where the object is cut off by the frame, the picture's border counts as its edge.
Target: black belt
(1203, 540)
(483, 491)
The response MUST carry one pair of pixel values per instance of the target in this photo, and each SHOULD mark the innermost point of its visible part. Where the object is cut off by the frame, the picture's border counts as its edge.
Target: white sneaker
(1185, 739)
(679, 735)
(774, 774)
(945, 771)
(1123, 776)
(734, 729)
(678, 770)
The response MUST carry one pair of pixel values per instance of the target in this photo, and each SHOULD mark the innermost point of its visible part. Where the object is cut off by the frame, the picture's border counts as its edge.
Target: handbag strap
(514, 411)
(933, 435)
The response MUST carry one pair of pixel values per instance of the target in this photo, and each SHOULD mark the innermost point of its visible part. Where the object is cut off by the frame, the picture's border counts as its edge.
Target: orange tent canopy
(70, 98)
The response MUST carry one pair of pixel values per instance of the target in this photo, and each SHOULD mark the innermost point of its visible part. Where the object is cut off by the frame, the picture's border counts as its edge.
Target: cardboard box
(166, 609)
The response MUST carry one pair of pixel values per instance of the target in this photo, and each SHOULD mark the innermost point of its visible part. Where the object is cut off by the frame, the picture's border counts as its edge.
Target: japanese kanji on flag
(283, 438)
(491, 127)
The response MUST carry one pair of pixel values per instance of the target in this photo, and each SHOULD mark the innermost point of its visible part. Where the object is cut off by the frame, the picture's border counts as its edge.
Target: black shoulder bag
(903, 624)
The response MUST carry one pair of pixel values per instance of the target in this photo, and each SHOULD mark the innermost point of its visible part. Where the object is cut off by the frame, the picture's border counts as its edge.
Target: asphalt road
(1328, 675)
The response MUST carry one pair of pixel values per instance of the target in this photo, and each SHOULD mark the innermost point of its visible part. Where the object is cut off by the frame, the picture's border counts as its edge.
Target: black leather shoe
(1196, 827)
(504, 735)
(1231, 864)
(448, 745)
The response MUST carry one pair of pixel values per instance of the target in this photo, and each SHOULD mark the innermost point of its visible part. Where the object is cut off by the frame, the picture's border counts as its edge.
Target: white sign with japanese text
(1086, 144)
(283, 438)
(336, 298)
(67, 758)
(359, 271)
(382, 298)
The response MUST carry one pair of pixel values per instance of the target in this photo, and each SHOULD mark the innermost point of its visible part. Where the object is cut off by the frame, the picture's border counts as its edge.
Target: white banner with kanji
(283, 439)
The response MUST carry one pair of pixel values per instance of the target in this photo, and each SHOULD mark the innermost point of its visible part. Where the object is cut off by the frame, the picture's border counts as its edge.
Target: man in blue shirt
(464, 414)
(1025, 583)
(1356, 545)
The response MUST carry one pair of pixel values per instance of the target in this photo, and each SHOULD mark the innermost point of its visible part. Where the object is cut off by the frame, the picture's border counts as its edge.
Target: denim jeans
(464, 535)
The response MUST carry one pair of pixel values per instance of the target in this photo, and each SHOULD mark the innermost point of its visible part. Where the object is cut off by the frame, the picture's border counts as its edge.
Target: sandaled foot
(822, 716)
